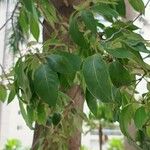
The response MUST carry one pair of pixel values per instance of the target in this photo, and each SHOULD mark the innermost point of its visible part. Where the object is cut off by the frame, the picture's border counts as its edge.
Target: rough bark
(77, 95)
(65, 8)
(36, 136)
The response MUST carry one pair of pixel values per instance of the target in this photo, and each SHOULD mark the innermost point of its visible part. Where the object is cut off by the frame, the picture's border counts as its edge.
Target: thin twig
(139, 80)
(44, 26)
(11, 17)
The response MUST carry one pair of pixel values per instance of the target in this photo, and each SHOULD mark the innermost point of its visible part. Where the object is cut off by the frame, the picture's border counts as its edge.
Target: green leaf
(56, 118)
(48, 12)
(120, 52)
(64, 63)
(148, 86)
(91, 102)
(34, 27)
(140, 117)
(23, 21)
(29, 5)
(118, 96)
(31, 114)
(46, 84)
(11, 95)
(89, 20)
(73, 59)
(22, 81)
(41, 114)
(59, 64)
(24, 114)
(105, 10)
(3, 93)
(97, 78)
(125, 117)
(138, 5)
(140, 47)
(128, 25)
(76, 35)
(120, 7)
(148, 131)
(119, 74)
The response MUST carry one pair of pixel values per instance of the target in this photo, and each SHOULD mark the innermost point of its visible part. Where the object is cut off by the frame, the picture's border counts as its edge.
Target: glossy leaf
(120, 52)
(91, 102)
(97, 78)
(23, 21)
(73, 59)
(24, 114)
(120, 7)
(119, 74)
(138, 5)
(125, 117)
(128, 25)
(141, 48)
(89, 20)
(30, 114)
(34, 28)
(29, 5)
(140, 117)
(64, 63)
(76, 35)
(59, 64)
(11, 95)
(46, 84)
(105, 10)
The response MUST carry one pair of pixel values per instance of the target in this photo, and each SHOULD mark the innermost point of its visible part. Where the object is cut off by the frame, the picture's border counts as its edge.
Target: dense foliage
(97, 49)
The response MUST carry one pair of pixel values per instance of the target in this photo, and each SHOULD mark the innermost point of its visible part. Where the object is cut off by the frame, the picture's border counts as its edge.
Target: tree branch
(11, 17)
(126, 26)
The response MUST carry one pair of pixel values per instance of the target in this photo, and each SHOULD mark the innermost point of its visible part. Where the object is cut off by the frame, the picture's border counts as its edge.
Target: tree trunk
(77, 95)
(100, 137)
(75, 92)
(130, 15)
(128, 144)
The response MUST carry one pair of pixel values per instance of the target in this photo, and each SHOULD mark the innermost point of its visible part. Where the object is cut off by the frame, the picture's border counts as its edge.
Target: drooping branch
(11, 17)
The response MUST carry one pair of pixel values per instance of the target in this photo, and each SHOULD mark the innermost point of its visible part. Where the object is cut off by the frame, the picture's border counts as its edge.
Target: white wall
(11, 123)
